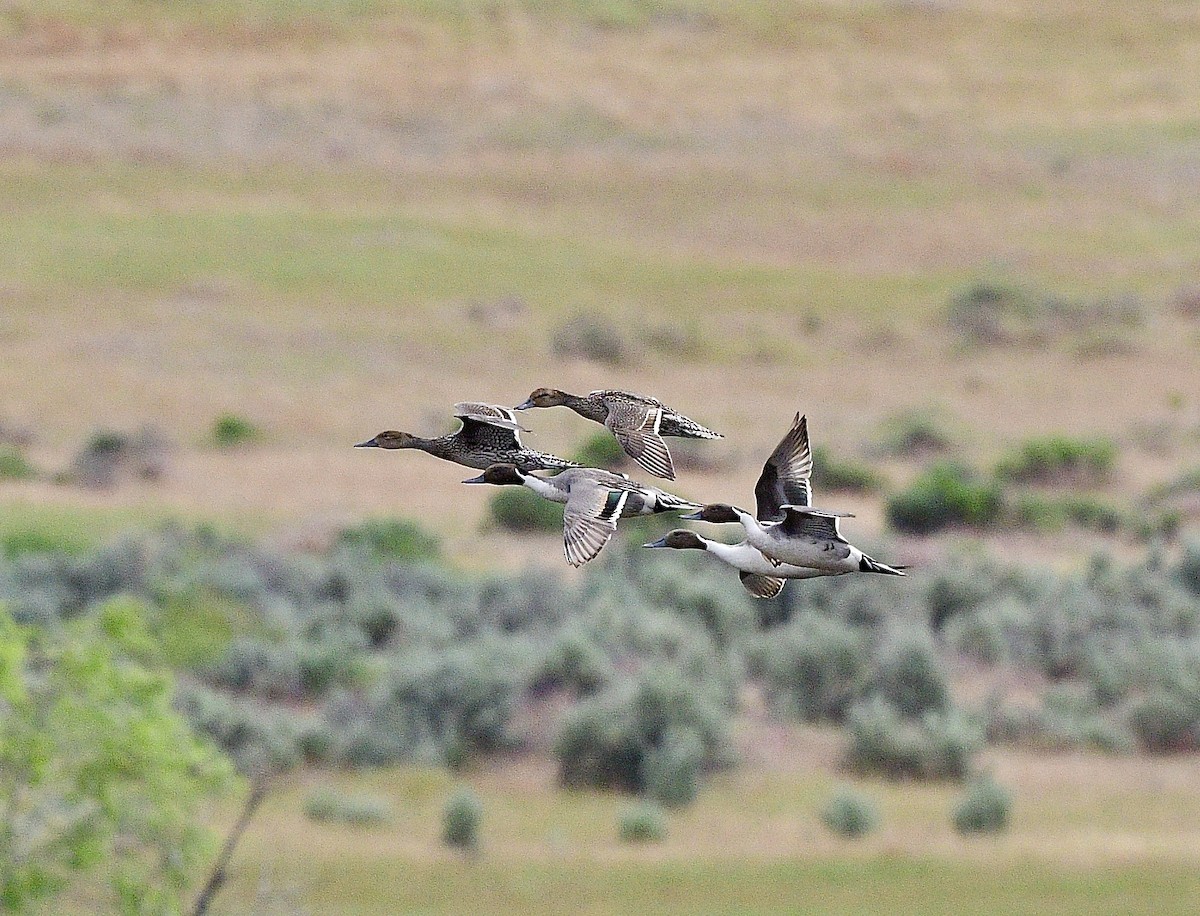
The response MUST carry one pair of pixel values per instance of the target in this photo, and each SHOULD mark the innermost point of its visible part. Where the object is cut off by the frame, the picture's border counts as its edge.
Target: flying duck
(594, 500)
(787, 529)
(489, 434)
(638, 422)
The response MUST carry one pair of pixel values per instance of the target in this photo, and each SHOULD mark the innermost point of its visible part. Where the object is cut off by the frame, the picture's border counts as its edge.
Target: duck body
(489, 435)
(761, 577)
(594, 500)
(638, 422)
(786, 528)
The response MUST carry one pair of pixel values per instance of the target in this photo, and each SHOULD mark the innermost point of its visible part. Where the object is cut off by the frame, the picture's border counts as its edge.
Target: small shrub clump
(14, 465)
(984, 808)
(585, 337)
(843, 475)
(1167, 721)
(913, 434)
(600, 450)
(355, 809)
(1060, 460)
(814, 669)
(516, 509)
(396, 540)
(461, 819)
(850, 814)
(230, 430)
(884, 743)
(642, 823)
(946, 494)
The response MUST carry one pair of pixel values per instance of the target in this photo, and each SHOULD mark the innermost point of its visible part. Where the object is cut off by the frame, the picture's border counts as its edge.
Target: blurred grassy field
(316, 215)
(319, 215)
(1090, 835)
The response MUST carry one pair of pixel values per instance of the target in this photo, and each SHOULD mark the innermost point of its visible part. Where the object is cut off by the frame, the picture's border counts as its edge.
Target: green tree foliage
(95, 766)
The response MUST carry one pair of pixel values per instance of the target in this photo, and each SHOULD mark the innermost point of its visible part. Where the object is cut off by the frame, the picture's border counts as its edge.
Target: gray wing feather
(761, 586)
(805, 521)
(589, 521)
(636, 428)
(786, 475)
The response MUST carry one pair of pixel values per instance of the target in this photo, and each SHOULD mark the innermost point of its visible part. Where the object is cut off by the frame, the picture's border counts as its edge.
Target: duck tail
(669, 502)
(554, 463)
(867, 564)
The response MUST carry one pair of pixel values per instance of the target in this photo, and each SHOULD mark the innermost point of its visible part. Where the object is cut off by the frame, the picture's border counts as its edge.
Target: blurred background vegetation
(241, 235)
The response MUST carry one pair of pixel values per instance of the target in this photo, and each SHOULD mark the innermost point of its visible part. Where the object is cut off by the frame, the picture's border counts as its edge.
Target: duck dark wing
(785, 476)
(488, 425)
(636, 427)
(805, 521)
(761, 586)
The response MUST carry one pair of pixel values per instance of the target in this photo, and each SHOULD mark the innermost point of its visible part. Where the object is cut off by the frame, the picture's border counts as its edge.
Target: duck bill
(525, 405)
(370, 443)
(478, 479)
(661, 542)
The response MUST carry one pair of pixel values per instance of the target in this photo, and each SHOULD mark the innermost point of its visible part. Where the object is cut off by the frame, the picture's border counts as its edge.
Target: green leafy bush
(230, 430)
(601, 450)
(100, 774)
(461, 819)
(885, 743)
(356, 809)
(14, 465)
(850, 814)
(517, 509)
(984, 808)
(642, 823)
(1060, 459)
(392, 539)
(843, 475)
(946, 494)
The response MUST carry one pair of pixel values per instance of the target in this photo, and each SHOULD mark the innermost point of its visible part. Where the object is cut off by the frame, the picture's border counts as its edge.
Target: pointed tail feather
(867, 564)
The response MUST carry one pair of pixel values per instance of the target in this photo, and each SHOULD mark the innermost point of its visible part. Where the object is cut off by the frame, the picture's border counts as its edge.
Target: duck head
(500, 475)
(543, 397)
(714, 512)
(389, 438)
(680, 539)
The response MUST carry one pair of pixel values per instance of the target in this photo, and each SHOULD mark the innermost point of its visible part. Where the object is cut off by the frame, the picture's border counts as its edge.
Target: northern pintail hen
(787, 529)
(638, 422)
(489, 434)
(594, 499)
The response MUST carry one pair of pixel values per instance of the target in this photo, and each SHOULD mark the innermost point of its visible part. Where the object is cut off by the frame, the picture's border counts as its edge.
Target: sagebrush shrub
(984, 808)
(642, 823)
(850, 814)
(885, 743)
(814, 669)
(358, 809)
(461, 819)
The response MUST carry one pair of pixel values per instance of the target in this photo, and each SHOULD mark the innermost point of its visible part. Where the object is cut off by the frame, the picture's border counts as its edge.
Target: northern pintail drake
(762, 578)
(594, 499)
(638, 422)
(787, 529)
(489, 434)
